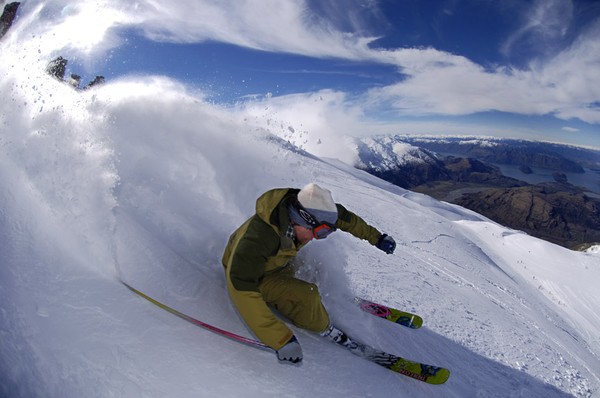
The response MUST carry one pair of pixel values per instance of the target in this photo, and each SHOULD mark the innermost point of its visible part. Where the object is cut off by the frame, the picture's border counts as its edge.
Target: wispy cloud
(269, 25)
(565, 83)
(542, 23)
(430, 81)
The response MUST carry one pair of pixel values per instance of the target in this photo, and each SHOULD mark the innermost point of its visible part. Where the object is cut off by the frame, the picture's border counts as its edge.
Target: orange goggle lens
(322, 231)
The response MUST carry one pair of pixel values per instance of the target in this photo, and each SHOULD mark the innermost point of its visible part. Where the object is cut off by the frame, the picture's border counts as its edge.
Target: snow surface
(142, 179)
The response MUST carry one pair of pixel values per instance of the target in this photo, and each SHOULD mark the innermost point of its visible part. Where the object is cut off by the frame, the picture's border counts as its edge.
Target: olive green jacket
(260, 246)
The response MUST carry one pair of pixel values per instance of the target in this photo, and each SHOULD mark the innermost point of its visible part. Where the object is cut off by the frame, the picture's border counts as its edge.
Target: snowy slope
(142, 179)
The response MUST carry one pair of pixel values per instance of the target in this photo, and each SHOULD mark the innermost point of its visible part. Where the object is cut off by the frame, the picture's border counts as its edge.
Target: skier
(257, 264)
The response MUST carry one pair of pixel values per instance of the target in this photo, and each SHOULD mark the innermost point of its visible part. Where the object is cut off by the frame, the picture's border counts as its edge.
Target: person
(258, 271)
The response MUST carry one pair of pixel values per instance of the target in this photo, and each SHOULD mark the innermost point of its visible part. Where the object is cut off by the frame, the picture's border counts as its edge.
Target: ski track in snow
(143, 180)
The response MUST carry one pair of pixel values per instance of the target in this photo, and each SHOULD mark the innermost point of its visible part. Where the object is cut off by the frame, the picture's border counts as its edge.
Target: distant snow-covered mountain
(557, 211)
(387, 153)
(399, 162)
(409, 166)
(546, 155)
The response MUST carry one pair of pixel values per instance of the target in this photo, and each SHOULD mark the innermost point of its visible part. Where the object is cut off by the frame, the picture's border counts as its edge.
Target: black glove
(291, 352)
(386, 243)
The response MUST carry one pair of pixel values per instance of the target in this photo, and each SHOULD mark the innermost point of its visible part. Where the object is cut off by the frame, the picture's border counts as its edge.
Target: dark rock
(75, 80)
(8, 17)
(57, 68)
(97, 80)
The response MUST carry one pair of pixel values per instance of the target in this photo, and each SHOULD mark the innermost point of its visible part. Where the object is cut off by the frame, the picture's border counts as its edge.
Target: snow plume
(197, 187)
(320, 122)
(58, 157)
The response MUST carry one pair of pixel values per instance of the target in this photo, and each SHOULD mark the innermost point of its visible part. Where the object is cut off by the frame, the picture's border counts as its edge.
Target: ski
(230, 335)
(403, 318)
(416, 370)
(426, 373)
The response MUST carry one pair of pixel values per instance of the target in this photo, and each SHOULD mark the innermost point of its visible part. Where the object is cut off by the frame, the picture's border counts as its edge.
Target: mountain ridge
(545, 210)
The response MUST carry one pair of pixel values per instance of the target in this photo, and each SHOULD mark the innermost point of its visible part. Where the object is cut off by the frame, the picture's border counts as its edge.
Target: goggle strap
(306, 216)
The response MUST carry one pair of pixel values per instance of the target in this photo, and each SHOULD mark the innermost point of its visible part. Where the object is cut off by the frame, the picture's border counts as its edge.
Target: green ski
(416, 370)
(403, 318)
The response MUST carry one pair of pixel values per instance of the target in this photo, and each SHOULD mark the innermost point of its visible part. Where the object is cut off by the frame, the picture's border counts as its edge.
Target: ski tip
(410, 321)
(440, 377)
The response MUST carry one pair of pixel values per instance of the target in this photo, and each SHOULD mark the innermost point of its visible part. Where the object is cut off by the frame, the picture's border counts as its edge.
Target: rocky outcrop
(58, 67)
(97, 80)
(8, 16)
(555, 212)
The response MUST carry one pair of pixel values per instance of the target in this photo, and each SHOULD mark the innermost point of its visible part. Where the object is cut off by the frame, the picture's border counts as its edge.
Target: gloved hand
(386, 243)
(291, 352)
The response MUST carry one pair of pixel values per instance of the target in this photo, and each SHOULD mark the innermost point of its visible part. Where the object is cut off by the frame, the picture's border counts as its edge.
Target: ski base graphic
(400, 317)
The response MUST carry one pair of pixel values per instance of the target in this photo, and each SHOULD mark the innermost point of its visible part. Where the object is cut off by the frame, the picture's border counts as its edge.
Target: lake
(590, 179)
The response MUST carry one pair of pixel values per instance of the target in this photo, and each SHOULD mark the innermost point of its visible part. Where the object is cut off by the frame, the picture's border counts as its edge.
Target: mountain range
(468, 171)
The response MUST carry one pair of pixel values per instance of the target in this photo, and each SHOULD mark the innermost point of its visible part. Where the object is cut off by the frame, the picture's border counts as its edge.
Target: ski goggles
(323, 230)
(320, 229)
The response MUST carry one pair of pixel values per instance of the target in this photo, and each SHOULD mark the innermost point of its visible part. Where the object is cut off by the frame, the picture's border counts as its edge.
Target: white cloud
(444, 84)
(452, 85)
(431, 82)
(270, 25)
(82, 27)
(574, 76)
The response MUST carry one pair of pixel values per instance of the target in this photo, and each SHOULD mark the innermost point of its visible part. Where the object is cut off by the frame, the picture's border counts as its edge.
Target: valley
(548, 190)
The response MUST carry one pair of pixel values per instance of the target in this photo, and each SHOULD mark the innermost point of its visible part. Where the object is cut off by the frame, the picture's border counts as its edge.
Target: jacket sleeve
(245, 269)
(350, 222)
(249, 253)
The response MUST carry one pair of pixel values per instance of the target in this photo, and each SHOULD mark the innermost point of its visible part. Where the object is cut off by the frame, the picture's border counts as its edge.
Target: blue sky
(517, 68)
